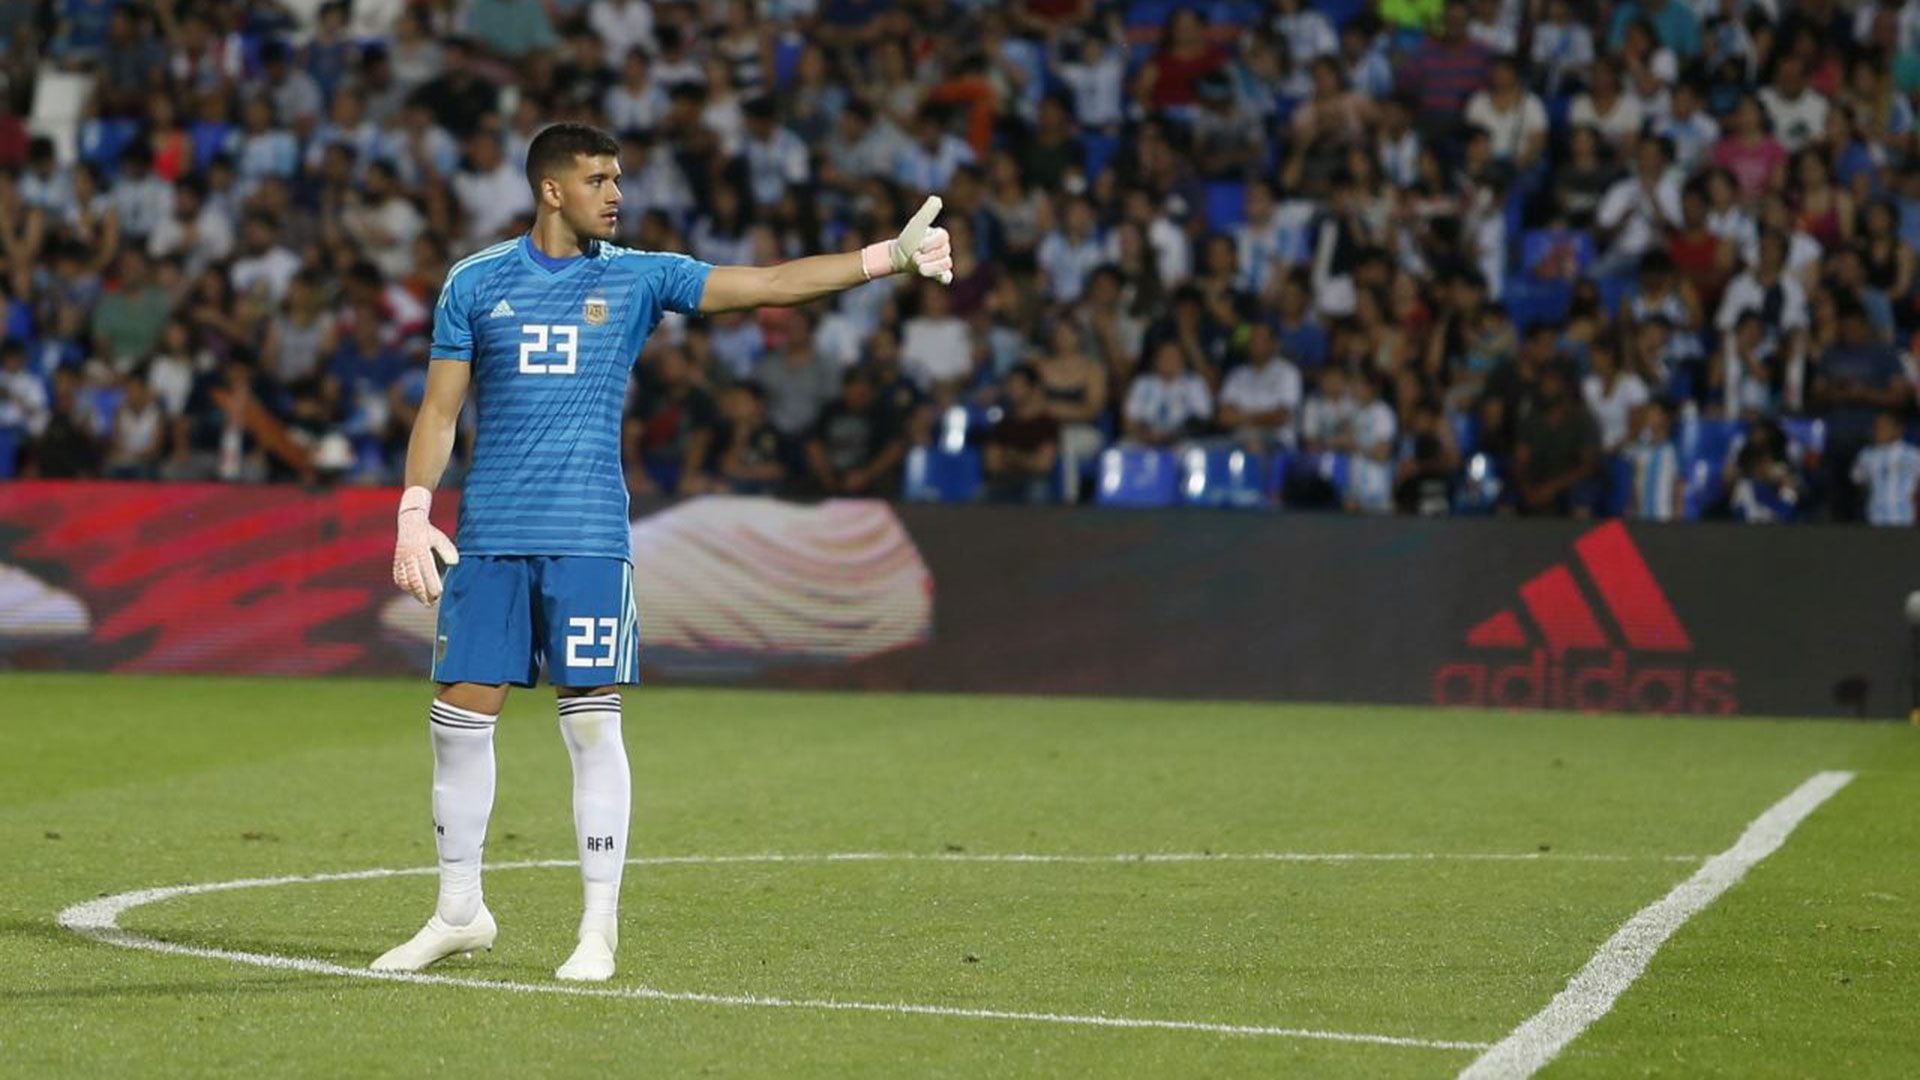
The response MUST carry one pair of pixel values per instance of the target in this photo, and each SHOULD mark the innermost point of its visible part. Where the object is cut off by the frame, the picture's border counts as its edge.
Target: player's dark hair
(558, 144)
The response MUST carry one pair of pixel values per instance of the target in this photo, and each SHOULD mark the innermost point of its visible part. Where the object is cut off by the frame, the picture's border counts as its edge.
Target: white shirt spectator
(142, 204)
(773, 163)
(490, 201)
(739, 345)
(1068, 264)
(1692, 137)
(1638, 214)
(297, 97)
(269, 153)
(1308, 35)
(1286, 238)
(205, 240)
(1619, 123)
(1782, 311)
(935, 351)
(386, 231)
(1796, 121)
(1265, 388)
(272, 269)
(1740, 390)
(660, 184)
(623, 24)
(1890, 473)
(171, 378)
(23, 402)
(1098, 89)
(1326, 419)
(1167, 406)
(1511, 128)
(52, 193)
(1502, 38)
(1374, 427)
(1612, 407)
(838, 340)
(876, 153)
(1561, 48)
(635, 110)
(920, 169)
(1656, 480)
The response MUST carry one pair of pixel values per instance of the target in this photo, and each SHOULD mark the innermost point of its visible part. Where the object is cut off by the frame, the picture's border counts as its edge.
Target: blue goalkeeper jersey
(551, 351)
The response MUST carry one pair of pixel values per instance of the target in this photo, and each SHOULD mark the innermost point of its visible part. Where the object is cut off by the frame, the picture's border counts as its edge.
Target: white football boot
(592, 960)
(437, 941)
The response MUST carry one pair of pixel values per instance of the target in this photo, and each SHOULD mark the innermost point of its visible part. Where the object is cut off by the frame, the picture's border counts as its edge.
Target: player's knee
(474, 697)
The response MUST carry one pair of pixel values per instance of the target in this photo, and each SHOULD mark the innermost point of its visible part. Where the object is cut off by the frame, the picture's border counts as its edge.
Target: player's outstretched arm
(428, 450)
(920, 249)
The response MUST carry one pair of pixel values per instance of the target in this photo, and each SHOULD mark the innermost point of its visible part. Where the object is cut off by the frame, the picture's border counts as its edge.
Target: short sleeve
(453, 322)
(679, 281)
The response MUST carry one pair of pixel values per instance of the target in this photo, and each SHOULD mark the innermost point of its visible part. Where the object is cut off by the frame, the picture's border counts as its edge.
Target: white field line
(100, 920)
(1591, 993)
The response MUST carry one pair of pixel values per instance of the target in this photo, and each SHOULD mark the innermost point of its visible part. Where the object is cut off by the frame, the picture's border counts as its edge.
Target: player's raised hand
(418, 542)
(921, 248)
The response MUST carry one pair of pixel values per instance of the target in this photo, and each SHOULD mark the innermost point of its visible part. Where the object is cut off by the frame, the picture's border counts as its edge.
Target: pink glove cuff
(875, 260)
(416, 498)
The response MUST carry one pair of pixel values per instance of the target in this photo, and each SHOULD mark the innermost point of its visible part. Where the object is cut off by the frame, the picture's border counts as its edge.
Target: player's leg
(593, 648)
(473, 668)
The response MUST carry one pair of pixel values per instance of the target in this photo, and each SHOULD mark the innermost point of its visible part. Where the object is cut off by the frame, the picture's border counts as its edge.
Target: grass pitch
(1808, 967)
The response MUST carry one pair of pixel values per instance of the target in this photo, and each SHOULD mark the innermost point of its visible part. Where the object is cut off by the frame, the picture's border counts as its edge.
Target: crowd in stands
(1555, 257)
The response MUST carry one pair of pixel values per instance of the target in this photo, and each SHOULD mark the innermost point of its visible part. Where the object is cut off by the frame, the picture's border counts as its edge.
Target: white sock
(602, 802)
(462, 802)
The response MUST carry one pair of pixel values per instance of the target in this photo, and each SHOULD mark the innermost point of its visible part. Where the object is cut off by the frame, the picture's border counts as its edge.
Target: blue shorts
(503, 616)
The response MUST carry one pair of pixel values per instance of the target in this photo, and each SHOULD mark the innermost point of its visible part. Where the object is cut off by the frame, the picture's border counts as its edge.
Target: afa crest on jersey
(595, 311)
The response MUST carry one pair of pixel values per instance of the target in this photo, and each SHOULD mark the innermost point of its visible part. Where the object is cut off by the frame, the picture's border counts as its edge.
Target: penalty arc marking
(100, 920)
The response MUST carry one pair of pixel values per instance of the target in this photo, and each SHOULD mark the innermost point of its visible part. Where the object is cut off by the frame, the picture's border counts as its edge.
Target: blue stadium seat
(102, 141)
(1809, 435)
(1226, 204)
(1539, 246)
(1136, 476)
(1339, 12)
(1619, 487)
(1615, 290)
(1099, 149)
(1531, 303)
(942, 475)
(1708, 440)
(1223, 476)
(9, 451)
(1466, 432)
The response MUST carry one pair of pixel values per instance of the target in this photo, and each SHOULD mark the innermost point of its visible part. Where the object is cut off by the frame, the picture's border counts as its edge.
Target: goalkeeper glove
(919, 248)
(419, 545)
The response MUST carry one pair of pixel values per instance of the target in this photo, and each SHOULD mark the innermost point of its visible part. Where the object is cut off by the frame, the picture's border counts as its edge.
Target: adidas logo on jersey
(1639, 658)
(500, 310)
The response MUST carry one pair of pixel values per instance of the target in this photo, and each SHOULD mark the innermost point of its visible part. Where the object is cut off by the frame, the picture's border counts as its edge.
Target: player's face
(590, 196)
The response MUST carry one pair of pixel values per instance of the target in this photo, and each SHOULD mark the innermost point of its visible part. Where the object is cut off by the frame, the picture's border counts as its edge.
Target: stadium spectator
(670, 428)
(138, 434)
(1856, 381)
(1260, 399)
(1073, 386)
(1407, 192)
(1659, 489)
(856, 447)
(1556, 454)
(1023, 446)
(1167, 402)
(749, 454)
(1888, 474)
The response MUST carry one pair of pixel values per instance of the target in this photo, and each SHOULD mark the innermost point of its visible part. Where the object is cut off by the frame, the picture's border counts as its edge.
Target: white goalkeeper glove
(413, 568)
(919, 248)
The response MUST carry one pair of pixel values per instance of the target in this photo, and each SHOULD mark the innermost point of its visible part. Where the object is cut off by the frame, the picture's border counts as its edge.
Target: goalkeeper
(544, 329)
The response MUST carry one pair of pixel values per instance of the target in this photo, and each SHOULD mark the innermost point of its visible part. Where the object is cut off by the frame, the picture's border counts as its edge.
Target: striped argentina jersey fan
(551, 351)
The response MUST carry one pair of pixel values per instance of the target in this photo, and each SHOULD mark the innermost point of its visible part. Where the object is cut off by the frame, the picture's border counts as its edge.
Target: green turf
(1809, 967)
